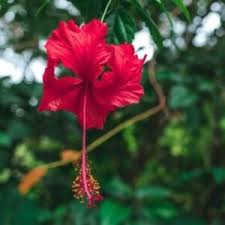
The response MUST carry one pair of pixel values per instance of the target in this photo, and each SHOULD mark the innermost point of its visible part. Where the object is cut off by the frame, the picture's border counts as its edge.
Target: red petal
(121, 86)
(82, 49)
(60, 94)
(96, 113)
(96, 27)
(67, 94)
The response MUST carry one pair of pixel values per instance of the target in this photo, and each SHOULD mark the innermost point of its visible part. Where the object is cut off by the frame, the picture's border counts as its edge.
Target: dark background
(168, 169)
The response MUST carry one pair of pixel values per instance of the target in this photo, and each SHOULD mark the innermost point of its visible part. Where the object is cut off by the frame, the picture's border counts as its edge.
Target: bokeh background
(168, 169)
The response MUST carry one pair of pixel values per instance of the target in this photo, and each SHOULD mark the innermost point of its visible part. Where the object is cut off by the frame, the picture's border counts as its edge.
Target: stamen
(84, 185)
(93, 188)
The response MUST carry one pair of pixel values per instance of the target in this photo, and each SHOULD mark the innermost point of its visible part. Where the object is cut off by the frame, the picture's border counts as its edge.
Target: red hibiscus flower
(105, 77)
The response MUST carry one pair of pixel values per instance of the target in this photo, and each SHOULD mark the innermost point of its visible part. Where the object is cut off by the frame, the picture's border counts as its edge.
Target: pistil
(84, 185)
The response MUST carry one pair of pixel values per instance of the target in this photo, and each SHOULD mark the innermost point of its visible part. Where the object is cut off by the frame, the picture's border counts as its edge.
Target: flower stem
(84, 152)
(105, 11)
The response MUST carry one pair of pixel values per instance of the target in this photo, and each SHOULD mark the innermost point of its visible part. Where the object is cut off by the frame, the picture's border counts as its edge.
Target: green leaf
(17, 129)
(165, 75)
(163, 210)
(131, 139)
(26, 211)
(181, 97)
(219, 175)
(5, 140)
(180, 4)
(152, 192)
(119, 189)
(42, 7)
(80, 215)
(5, 175)
(206, 85)
(189, 176)
(187, 220)
(89, 9)
(112, 213)
(149, 23)
(122, 27)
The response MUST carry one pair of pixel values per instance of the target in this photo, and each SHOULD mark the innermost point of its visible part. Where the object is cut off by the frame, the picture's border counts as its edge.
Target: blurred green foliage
(168, 170)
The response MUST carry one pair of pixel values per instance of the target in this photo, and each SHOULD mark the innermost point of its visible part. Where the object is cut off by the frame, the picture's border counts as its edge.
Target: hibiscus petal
(81, 49)
(60, 94)
(96, 113)
(67, 93)
(96, 27)
(122, 85)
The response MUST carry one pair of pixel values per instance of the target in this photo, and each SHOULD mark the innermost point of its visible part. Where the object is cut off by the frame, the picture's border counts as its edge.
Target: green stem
(106, 9)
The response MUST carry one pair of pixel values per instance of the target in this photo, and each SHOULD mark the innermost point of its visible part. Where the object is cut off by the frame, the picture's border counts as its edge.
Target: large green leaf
(122, 27)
